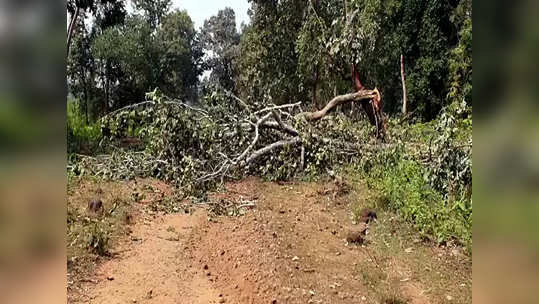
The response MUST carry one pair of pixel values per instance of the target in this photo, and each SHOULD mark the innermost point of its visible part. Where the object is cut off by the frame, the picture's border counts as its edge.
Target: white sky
(200, 10)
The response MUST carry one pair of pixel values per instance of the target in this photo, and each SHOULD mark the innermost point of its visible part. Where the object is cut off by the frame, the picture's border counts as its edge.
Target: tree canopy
(290, 50)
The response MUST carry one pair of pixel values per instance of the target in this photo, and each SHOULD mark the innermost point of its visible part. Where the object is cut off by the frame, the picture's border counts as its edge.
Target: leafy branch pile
(196, 148)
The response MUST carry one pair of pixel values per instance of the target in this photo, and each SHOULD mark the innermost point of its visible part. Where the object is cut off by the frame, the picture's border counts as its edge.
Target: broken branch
(341, 99)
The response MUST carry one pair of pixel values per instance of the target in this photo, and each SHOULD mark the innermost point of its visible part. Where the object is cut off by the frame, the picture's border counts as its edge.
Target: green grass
(402, 188)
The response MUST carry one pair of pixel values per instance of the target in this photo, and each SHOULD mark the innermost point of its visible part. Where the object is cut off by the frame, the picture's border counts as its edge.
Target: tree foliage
(220, 41)
(134, 60)
(268, 61)
(153, 10)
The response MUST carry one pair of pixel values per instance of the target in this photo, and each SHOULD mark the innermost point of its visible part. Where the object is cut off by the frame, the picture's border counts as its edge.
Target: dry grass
(91, 237)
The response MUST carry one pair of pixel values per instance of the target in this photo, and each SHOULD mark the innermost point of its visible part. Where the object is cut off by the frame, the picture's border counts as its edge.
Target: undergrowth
(82, 137)
(426, 176)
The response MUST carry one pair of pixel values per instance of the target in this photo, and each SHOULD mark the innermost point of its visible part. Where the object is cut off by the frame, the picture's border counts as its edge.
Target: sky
(200, 10)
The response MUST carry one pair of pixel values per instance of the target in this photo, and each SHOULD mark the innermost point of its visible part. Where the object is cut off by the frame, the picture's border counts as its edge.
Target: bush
(82, 137)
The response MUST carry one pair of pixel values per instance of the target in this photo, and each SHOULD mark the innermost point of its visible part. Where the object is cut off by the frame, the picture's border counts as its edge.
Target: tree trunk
(404, 99)
(85, 101)
(355, 78)
(86, 107)
(315, 85)
(71, 28)
(106, 95)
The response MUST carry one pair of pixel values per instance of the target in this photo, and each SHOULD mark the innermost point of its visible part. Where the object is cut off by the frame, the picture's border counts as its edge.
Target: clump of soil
(356, 237)
(367, 215)
(95, 206)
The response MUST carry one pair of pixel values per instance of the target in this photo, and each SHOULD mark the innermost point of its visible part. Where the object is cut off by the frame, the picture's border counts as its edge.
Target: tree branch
(290, 105)
(338, 100)
(404, 99)
(271, 147)
(253, 143)
(72, 25)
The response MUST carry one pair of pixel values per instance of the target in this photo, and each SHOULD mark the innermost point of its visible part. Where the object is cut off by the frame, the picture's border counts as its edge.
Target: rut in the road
(290, 248)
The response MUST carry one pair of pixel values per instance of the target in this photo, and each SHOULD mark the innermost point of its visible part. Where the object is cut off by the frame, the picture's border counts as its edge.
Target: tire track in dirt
(156, 268)
(290, 248)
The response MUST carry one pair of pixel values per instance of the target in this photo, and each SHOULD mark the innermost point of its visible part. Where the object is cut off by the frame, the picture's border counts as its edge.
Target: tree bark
(404, 98)
(355, 78)
(71, 28)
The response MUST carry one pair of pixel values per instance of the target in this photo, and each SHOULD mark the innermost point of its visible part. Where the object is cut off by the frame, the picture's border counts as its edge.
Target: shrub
(82, 137)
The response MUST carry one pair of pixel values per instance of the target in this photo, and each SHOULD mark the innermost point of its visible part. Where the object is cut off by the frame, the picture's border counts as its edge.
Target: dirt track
(290, 248)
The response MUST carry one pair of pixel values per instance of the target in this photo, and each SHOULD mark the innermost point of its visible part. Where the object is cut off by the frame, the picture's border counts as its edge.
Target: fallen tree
(199, 147)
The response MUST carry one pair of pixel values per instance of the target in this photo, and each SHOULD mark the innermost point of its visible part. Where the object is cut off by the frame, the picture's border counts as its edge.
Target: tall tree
(154, 10)
(460, 61)
(134, 59)
(81, 68)
(268, 61)
(109, 12)
(220, 41)
(182, 55)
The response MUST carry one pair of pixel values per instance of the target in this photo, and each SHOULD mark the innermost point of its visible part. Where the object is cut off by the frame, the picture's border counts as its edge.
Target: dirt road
(288, 248)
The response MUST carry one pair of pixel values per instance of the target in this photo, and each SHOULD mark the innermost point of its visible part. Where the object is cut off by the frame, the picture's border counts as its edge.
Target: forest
(370, 97)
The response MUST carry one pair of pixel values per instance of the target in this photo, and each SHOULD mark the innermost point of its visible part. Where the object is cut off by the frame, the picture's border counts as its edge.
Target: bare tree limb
(283, 126)
(290, 105)
(280, 126)
(271, 147)
(255, 139)
(243, 103)
(404, 99)
(71, 28)
(151, 102)
(338, 100)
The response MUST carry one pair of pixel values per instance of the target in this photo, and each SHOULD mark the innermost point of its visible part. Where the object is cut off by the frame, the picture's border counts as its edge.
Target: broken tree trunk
(315, 86)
